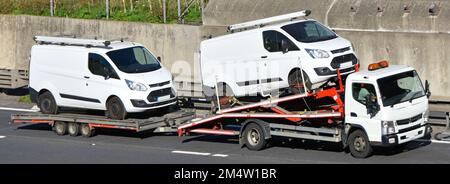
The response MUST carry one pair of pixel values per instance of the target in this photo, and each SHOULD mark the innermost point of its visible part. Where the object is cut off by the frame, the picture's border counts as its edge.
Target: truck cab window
(97, 65)
(272, 41)
(361, 90)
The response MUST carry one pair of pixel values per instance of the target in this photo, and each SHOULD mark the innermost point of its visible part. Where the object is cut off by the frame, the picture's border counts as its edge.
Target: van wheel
(115, 109)
(296, 82)
(60, 128)
(47, 103)
(73, 129)
(87, 131)
(225, 94)
(359, 144)
(254, 137)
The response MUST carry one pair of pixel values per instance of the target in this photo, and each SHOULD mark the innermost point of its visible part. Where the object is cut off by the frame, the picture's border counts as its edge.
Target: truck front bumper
(406, 136)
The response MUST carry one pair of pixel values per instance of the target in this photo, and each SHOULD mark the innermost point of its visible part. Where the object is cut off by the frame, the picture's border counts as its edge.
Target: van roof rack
(50, 40)
(262, 22)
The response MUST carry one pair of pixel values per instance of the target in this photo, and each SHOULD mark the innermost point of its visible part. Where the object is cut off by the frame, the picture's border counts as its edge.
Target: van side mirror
(284, 46)
(107, 73)
(159, 59)
(427, 89)
(372, 105)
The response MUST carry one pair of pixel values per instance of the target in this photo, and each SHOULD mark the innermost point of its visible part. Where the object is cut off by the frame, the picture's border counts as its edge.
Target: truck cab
(388, 104)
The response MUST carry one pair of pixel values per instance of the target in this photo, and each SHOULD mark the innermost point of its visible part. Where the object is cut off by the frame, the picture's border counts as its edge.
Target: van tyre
(254, 137)
(115, 109)
(60, 128)
(87, 131)
(295, 80)
(359, 144)
(73, 129)
(47, 103)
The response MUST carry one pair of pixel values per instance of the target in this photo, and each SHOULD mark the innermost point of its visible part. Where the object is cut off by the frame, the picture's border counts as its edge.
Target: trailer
(358, 114)
(86, 125)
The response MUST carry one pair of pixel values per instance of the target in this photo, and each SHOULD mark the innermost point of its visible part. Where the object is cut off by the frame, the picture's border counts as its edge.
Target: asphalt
(38, 144)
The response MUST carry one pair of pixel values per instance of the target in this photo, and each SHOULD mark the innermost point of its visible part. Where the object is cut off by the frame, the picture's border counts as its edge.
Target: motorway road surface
(37, 144)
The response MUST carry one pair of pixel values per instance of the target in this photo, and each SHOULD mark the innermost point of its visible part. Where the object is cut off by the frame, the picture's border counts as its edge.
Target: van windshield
(134, 60)
(400, 88)
(309, 31)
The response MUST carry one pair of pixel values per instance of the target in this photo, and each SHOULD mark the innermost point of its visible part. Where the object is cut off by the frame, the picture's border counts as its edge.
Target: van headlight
(317, 53)
(387, 127)
(136, 86)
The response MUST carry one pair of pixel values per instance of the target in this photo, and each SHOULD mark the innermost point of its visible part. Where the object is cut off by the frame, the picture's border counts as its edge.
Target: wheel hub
(359, 144)
(254, 137)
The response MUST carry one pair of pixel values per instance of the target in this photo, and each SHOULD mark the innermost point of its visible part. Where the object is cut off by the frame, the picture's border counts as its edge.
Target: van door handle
(263, 57)
(352, 114)
(86, 77)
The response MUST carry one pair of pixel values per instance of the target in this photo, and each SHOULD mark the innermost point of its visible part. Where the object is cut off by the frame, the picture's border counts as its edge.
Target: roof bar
(73, 41)
(263, 22)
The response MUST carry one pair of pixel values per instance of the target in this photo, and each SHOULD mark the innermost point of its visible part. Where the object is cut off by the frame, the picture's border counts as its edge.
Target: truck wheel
(73, 129)
(87, 131)
(115, 109)
(60, 128)
(254, 137)
(47, 103)
(295, 81)
(359, 144)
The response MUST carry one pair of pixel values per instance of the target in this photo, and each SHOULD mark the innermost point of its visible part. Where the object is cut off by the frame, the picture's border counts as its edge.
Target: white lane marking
(191, 153)
(17, 109)
(2, 136)
(220, 155)
(441, 142)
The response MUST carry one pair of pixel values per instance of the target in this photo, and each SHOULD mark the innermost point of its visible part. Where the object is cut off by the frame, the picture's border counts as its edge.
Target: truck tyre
(73, 129)
(87, 131)
(295, 80)
(47, 103)
(359, 144)
(60, 128)
(254, 137)
(225, 94)
(115, 109)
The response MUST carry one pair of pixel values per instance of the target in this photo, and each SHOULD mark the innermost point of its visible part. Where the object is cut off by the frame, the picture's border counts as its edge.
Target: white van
(271, 54)
(115, 76)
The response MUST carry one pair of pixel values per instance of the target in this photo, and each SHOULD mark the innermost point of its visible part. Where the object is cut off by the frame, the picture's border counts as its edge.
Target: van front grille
(153, 96)
(341, 50)
(338, 60)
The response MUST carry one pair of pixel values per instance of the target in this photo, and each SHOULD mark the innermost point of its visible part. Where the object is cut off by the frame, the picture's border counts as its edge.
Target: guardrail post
(447, 120)
(107, 9)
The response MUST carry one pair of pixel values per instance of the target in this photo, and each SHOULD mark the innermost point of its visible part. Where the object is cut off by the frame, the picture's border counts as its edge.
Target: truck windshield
(400, 88)
(134, 60)
(309, 31)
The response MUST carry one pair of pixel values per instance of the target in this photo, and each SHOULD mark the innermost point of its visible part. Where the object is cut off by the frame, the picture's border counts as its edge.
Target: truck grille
(341, 50)
(153, 96)
(409, 120)
(343, 59)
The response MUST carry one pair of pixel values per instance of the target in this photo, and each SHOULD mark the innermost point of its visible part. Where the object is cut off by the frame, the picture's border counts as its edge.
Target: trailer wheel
(295, 81)
(87, 131)
(115, 109)
(60, 128)
(73, 129)
(47, 104)
(359, 144)
(254, 137)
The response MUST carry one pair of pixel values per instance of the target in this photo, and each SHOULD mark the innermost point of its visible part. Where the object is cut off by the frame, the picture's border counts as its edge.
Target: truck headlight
(317, 53)
(425, 116)
(136, 86)
(387, 127)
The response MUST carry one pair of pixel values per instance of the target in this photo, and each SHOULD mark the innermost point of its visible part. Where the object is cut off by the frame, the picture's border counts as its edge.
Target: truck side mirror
(284, 46)
(427, 89)
(372, 105)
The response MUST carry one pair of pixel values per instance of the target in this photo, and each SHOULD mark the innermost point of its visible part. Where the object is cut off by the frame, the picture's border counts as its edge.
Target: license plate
(162, 98)
(346, 65)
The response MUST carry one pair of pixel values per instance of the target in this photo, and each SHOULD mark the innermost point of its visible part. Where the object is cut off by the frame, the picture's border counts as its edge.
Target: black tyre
(225, 94)
(254, 137)
(73, 129)
(115, 109)
(359, 144)
(46, 102)
(60, 128)
(295, 80)
(87, 131)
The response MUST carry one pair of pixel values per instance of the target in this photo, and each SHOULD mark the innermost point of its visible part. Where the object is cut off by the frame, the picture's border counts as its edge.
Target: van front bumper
(404, 137)
(143, 104)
